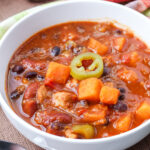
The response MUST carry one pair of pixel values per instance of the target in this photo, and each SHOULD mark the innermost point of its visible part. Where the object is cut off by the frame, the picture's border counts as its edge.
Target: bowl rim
(43, 133)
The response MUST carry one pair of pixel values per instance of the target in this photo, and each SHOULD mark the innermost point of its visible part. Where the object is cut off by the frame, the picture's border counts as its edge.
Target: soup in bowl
(82, 81)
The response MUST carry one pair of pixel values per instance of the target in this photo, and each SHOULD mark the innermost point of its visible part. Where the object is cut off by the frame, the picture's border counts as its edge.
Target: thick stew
(81, 80)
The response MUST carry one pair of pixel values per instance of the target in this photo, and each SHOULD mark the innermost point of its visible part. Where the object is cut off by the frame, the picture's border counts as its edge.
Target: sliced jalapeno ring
(85, 129)
(147, 12)
(94, 70)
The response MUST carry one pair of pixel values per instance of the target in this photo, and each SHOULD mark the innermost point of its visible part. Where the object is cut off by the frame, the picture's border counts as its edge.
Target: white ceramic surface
(58, 13)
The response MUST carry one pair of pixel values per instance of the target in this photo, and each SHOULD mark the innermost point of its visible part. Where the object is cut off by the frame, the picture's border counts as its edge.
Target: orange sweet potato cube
(123, 124)
(143, 112)
(109, 95)
(57, 73)
(89, 89)
(98, 47)
(119, 43)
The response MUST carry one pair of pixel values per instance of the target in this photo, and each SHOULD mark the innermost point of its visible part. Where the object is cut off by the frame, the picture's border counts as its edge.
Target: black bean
(111, 106)
(40, 77)
(122, 90)
(106, 71)
(121, 97)
(55, 51)
(18, 69)
(107, 122)
(120, 107)
(118, 31)
(14, 95)
(17, 92)
(30, 75)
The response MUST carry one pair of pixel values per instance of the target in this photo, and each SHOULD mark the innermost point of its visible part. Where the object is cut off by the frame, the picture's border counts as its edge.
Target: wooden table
(7, 131)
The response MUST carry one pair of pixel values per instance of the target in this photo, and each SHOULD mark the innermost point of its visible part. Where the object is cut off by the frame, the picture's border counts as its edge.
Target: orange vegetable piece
(89, 89)
(98, 47)
(124, 123)
(143, 112)
(57, 73)
(119, 43)
(29, 106)
(127, 75)
(109, 95)
(130, 59)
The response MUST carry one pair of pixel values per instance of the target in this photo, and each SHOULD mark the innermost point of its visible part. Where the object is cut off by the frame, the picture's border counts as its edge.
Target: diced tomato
(128, 76)
(31, 90)
(34, 64)
(97, 47)
(86, 63)
(130, 58)
(47, 116)
(29, 106)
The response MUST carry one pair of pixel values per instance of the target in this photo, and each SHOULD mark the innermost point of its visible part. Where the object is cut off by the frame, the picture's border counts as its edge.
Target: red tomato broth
(38, 49)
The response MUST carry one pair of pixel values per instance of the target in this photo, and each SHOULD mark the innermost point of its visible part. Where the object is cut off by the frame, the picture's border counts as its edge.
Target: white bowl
(58, 13)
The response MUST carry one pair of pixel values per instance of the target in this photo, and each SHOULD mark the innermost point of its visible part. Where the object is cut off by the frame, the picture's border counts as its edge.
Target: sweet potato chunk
(124, 123)
(128, 76)
(98, 47)
(57, 73)
(89, 89)
(119, 43)
(143, 112)
(109, 95)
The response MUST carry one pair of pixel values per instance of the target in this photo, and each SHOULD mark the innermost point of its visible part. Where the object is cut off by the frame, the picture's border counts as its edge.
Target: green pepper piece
(85, 129)
(147, 12)
(95, 69)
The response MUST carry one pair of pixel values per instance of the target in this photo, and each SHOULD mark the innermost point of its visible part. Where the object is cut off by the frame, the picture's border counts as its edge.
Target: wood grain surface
(7, 131)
